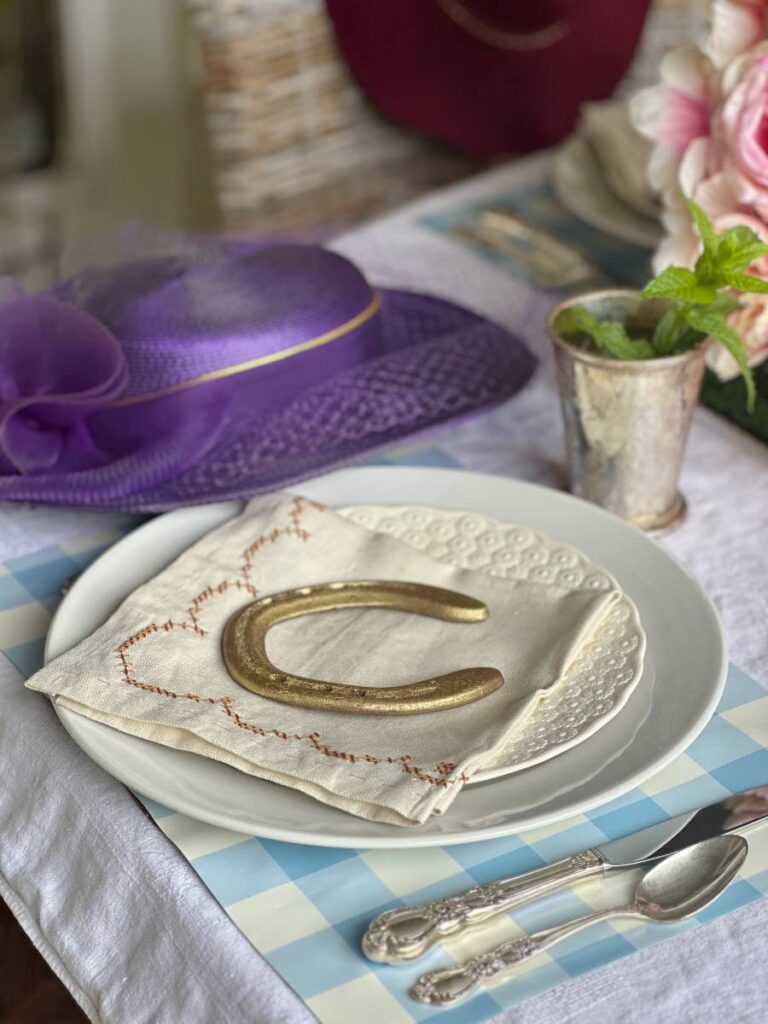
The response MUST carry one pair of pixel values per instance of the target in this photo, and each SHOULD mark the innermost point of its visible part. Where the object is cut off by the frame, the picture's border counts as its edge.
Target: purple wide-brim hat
(224, 371)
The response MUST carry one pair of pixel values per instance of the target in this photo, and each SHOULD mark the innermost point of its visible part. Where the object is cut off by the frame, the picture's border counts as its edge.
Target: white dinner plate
(685, 665)
(581, 187)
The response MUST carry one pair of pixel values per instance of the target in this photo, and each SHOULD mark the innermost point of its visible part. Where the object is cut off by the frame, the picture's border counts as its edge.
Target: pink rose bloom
(727, 173)
(708, 118)
(740, 130)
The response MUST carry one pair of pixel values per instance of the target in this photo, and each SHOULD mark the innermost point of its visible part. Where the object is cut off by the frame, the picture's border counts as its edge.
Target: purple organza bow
(57, 365)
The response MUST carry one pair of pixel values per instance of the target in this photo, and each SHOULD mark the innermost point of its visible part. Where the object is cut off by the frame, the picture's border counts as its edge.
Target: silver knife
(550, 262)
(398, 936)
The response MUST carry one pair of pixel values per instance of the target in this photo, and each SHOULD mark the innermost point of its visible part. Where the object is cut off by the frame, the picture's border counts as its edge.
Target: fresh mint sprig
(609, 336)
(700, 301)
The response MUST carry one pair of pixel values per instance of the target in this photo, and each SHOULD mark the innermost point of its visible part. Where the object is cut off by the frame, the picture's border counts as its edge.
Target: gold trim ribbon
(251, 364)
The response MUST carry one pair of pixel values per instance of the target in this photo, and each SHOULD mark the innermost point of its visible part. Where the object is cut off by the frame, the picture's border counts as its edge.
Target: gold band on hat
(251, 364)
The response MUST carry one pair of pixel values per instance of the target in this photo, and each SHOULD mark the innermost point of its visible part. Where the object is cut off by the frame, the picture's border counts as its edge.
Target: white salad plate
(681, 682)
(607, 670)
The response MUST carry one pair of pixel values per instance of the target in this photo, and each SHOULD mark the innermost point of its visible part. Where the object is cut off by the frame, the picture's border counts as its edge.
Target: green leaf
(715, 327)
(610, 336)
(704, 268)
(674, 334)
(724, 304)
(708, 237)
(681, 284)
(737, 249)
(666, 335)
(574, 319)
(746, 282)
(690, 339)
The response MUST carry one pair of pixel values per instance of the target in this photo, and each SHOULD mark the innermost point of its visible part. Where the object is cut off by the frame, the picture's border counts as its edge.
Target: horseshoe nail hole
(336, 586)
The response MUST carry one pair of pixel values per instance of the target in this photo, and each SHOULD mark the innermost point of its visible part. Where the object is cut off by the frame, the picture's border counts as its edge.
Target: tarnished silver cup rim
(608, 362)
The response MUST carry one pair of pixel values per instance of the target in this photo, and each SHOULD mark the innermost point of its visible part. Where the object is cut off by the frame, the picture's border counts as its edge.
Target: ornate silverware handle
(397, 936)
(450, 985)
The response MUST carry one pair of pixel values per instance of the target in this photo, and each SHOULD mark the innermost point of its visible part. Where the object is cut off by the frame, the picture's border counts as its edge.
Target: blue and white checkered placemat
(305, 908)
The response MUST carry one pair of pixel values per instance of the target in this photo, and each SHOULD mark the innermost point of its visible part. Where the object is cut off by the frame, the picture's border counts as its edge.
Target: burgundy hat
(488, 76)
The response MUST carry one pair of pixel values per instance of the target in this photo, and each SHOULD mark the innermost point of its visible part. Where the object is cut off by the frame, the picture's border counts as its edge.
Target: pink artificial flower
(708, 118)
(675, 112)
(740, 130)
(735, 27)
(681, 244)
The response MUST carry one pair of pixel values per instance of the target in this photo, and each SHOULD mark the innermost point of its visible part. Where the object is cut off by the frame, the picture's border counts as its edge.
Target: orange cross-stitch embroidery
(442, 772)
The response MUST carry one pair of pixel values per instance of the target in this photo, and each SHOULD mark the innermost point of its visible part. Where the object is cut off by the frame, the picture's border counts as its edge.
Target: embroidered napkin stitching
(442, 771)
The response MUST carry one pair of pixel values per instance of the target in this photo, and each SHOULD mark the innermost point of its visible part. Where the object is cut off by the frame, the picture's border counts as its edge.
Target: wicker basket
(295, 143)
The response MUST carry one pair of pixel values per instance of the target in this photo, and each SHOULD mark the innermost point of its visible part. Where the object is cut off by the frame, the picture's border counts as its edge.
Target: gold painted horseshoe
(245, 655)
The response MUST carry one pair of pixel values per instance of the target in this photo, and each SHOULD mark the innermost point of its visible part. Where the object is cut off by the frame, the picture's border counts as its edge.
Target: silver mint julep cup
(627, 422)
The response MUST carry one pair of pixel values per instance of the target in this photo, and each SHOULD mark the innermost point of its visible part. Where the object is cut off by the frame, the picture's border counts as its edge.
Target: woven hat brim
(438, 363)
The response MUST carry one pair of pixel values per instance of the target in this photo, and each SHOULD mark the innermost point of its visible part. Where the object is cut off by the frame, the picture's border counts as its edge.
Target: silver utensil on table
(551, 262)
(671, 890)
(398, 936)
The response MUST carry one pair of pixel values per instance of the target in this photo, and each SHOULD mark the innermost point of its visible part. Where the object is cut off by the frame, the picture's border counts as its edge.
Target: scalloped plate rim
(487, 774)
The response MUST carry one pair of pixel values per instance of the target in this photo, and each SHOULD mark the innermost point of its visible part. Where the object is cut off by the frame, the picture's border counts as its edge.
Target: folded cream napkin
(155, 669)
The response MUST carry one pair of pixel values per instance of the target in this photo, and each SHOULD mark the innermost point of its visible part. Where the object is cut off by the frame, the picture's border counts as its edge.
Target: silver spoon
(673, 889)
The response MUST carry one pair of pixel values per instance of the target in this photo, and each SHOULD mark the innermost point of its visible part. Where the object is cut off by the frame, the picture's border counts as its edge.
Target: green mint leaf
(673, 333)
(746, 282)
(715, 327)
(610, 336)
(574, 319)
(704, 268)
(706, 262)
(724, 304)
(703, 225)
(737, 249)
(682, 284)
(666, 335)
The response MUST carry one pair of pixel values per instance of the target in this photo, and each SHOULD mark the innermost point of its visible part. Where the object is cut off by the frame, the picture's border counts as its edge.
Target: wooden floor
(30, 993)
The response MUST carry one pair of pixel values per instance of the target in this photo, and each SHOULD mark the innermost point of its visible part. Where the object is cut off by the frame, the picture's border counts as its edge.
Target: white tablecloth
(124, 920)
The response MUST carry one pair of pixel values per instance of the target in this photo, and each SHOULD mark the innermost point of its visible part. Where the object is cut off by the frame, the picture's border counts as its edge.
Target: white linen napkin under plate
(155, 668)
